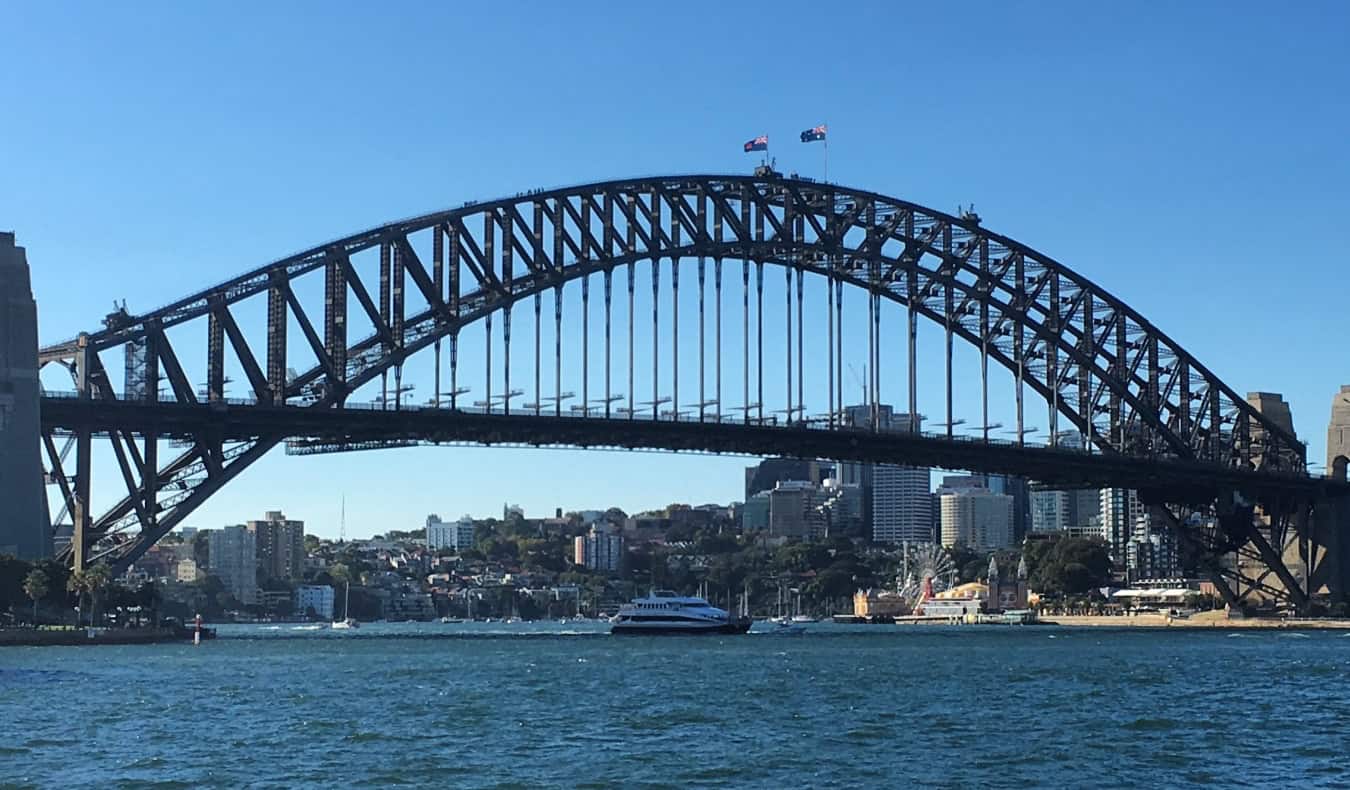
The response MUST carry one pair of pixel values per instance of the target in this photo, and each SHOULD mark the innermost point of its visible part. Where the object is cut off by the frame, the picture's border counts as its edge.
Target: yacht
(664, 612)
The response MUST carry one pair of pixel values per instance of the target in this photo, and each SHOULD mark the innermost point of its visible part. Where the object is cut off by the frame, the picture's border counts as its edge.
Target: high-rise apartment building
(24, 526)
(1151, 552)
(601, 549)
(281, 545)
(456, 536)
(1120, 511)
(977, 518)
(234, 560)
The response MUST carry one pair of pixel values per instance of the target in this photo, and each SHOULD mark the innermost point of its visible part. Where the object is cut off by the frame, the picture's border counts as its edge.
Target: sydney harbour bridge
(572, 300)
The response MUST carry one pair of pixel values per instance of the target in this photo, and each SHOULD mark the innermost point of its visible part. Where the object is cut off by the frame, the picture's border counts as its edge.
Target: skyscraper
(977, 519)
(897, 501)
(24, 525)
(1020, 491)
(901, 505)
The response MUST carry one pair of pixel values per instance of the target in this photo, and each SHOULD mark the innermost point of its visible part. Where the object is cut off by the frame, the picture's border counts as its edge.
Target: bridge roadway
(363, 426)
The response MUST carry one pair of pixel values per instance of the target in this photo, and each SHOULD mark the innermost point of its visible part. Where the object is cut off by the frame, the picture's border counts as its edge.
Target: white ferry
(664, 612)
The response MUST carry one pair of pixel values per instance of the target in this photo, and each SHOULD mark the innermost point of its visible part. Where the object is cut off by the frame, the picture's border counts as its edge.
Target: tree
(78, 583)
(12, 572)
(341, 574)
(97, 579)
(1068, 566)
(35, 587)
(149, 598)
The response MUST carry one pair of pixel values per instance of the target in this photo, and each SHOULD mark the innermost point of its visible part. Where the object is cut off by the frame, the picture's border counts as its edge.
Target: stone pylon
(1338, 433)
(24, 528)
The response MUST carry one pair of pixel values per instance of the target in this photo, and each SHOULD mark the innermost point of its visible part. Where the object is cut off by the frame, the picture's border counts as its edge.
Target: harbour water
(549, 705)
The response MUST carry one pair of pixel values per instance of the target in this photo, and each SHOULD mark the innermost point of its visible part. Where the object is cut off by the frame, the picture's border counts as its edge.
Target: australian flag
(813, 134)
(760, 143)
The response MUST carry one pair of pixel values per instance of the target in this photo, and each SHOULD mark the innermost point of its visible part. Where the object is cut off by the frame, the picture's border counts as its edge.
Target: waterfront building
(959, 601)
(878, 603)
(318, 597)
(1006, 592)
(25, 526)
(600, 549)
(977, 518)
(281, 545)
(234, 560)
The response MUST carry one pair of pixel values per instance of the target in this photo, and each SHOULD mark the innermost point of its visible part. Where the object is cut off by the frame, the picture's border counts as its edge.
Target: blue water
(556, 706)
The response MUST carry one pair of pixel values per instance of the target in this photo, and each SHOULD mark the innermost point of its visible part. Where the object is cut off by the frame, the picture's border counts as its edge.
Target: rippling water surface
(547, 706)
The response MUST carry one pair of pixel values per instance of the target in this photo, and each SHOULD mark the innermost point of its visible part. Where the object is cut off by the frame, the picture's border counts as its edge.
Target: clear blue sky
(1191, 159)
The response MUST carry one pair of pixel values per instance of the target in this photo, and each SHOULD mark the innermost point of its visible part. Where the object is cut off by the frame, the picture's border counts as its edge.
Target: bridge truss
(309, 332)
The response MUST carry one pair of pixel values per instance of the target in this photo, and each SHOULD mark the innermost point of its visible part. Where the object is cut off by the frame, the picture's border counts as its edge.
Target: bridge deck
(1177, 480)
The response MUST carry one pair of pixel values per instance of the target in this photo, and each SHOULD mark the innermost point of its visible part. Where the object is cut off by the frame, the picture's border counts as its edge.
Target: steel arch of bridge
(1127, 387)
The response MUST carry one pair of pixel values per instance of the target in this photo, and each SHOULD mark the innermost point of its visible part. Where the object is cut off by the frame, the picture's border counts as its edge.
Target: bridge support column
(1329, 532)
(81, 514)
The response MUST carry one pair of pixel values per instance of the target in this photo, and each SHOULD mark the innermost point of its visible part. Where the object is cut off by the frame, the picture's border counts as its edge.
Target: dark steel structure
(1153, 417)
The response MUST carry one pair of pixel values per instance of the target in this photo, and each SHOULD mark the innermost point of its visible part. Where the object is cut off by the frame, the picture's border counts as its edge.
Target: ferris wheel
(927, 569)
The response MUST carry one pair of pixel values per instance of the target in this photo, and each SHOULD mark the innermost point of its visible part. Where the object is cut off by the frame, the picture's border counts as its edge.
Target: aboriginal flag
(813, 134)
(760, 143)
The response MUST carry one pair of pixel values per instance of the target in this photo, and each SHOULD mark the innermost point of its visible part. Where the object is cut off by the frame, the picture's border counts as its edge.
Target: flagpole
(827, 152)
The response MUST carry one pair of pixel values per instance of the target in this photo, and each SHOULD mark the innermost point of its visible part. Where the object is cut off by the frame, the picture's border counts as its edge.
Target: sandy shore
(1201, 620)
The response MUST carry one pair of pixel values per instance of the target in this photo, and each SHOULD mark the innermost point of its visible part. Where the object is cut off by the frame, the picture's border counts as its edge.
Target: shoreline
(1204, 620)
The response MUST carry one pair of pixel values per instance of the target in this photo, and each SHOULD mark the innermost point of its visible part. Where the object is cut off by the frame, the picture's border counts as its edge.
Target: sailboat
(348, 622)
(799, 618)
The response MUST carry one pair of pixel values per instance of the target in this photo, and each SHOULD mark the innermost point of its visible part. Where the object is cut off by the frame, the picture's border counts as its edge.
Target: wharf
(37, 637)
